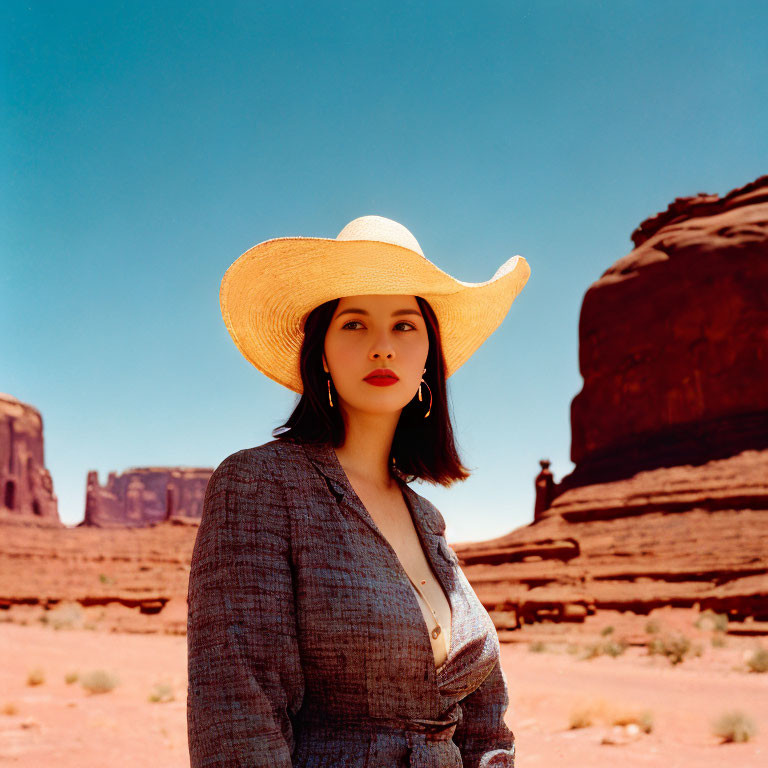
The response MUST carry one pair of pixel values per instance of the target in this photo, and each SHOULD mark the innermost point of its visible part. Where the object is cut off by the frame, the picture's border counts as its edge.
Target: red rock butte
(668, 502)
(145, 495)
(27, 487)
(673, 342)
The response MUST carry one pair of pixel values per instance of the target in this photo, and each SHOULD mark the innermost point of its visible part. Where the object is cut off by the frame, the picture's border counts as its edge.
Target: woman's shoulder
(254, 478)
(265, 462)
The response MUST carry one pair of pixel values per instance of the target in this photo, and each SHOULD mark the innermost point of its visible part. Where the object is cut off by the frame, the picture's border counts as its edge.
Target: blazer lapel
(430, 526)
(324, 458)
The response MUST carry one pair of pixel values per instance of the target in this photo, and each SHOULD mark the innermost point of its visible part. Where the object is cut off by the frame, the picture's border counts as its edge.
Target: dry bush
(590, 650)
(537, 646)
(758, 660)
(162, 692)
(10, 708)
(734, 725)
(609, 648)
(580, 717)
(617, 715)
(718, 640)
(36, 676)
(588, 713)
(674, 647)
(64, 616)
(711, 621)
(99, 681)
(612, 648)
(71, 677)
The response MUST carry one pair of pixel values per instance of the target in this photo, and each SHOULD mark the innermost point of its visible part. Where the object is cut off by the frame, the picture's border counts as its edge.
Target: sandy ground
(55, 723)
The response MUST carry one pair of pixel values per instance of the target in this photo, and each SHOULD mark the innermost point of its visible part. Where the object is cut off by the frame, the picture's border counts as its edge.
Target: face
(372, 332)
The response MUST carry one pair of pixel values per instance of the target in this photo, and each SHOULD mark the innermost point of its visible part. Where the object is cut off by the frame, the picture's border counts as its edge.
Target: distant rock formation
(678, 536)
(25, 484)
(668, 502)
(144, 496)
(673, 342)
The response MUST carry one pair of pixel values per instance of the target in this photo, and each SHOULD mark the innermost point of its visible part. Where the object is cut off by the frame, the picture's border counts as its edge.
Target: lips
(382, 374)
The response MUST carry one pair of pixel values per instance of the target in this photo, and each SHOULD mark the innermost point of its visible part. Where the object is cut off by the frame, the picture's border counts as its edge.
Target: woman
(329, 622)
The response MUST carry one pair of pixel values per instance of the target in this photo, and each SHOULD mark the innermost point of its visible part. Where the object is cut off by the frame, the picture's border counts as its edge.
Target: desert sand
(63, 724)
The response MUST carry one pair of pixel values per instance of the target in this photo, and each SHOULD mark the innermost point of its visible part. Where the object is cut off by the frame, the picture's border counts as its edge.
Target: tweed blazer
(306, 643)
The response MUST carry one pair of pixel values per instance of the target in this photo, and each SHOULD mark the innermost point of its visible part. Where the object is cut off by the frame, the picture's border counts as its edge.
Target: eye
(410, 326)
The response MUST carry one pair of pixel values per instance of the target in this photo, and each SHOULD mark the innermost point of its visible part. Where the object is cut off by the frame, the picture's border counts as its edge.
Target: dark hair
(421, 448)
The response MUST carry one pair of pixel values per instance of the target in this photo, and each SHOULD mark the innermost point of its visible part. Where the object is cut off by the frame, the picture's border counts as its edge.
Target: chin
(379, 407)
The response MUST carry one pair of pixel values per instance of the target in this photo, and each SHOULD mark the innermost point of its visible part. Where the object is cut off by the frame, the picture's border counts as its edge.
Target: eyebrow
(394, 314)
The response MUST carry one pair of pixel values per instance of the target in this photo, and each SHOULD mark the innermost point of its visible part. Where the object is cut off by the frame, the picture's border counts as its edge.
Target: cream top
(441, 641)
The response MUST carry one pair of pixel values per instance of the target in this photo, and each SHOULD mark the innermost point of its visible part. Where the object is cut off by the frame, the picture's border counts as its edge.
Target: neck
(367, 445)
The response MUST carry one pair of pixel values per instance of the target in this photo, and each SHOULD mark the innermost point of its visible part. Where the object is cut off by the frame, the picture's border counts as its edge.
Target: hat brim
(267, 293)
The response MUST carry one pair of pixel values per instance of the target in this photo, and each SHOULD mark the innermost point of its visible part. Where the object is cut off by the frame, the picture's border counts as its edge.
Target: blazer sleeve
(245, 680)
(482, 735)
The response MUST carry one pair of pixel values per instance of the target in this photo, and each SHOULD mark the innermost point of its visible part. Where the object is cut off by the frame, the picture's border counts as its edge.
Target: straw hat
(268, 292)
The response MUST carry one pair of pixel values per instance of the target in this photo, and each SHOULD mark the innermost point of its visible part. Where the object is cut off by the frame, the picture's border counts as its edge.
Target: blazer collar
(325, 460)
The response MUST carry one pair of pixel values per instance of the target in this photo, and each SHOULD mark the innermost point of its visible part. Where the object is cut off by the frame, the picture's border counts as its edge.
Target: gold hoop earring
(429, 410)
(329, 390)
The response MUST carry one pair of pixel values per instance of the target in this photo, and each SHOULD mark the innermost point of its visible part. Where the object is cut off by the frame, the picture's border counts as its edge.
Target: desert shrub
(71, 677)
(64, 616)
(606, 631)
(162, 692)
(537, 646)
(646, 721)
(758, 660)
(10, 708)
(586, 714)
(581, 717)
(610, 648)
(697, 649)
(718, 640)
(614, 648)
(591, 650)
(572, 648)
(734, 726)
(652, 627)
(709, 620)
(98, 681)
(674, 647)
(36, 676)
(642, 718)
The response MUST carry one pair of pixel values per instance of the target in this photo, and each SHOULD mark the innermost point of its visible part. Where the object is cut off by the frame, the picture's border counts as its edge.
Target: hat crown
(380, 229)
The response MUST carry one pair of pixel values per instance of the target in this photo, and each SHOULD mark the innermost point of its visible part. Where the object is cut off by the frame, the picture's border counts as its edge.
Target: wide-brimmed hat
(267, 293)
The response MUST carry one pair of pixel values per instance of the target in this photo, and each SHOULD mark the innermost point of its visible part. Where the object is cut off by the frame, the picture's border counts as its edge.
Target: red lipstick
(381, 377)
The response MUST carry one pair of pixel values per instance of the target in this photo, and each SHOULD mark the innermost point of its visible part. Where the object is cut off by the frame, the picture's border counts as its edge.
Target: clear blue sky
(146, 145)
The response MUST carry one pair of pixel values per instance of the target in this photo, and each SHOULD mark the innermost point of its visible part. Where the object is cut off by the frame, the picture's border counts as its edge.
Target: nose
(382, 347)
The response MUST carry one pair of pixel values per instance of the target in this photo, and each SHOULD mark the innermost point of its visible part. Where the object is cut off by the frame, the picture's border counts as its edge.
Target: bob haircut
(422, 448)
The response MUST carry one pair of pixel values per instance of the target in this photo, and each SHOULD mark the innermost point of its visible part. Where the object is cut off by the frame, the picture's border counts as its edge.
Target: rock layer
(136, 575)
(682, 536)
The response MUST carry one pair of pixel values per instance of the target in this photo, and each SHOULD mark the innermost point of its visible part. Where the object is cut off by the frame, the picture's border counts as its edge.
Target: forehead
(377, 303)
